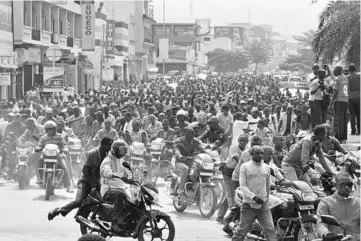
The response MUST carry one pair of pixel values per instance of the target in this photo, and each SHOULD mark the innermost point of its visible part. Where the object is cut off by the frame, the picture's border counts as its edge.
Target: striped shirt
(57, 139)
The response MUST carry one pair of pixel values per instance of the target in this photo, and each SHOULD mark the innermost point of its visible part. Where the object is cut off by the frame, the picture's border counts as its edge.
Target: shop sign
(88, 25)
(4, 78)
(109, 48)
(53, 79)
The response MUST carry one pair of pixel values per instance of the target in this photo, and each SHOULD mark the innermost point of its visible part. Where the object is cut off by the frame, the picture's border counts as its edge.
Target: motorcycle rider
(297, 161)
(215, 133)
(107, 131)
(330, 145)
(90, 178)
(111, 170)
(185, 148)
(254, 181)
(344, 207)
(48, 116)
(51, 137)
(167, 133)
(136, 134)
(182, 123)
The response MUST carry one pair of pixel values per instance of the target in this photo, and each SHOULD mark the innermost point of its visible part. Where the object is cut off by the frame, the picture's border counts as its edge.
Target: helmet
(49, 125)
(181, 112)
(213, 119)
(119, 148)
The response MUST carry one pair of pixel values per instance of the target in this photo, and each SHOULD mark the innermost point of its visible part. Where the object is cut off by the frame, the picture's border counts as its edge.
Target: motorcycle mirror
(126, 165)
(330, 220)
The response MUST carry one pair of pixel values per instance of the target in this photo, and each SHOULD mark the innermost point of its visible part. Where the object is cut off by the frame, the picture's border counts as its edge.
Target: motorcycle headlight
(207, 165)
(309, 196)
(50, 153)
(154, 195)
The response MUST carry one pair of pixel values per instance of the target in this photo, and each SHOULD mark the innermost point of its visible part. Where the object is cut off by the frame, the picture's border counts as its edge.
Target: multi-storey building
(41, 24)
(184, 46)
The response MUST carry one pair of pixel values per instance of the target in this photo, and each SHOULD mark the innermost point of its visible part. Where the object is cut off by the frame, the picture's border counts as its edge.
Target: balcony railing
(54, 38)
(35, 35)
(70, 42)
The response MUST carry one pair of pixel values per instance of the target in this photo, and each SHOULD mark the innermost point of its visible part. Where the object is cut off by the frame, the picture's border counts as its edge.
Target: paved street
(24, 218)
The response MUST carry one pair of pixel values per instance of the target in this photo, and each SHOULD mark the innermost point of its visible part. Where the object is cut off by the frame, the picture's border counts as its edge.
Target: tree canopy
(257, 52)
(338, 32)
(227, 61)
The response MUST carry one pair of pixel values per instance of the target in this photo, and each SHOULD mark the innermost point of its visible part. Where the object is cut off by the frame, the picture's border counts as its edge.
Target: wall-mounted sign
(109, 47)
(88, 25)
(4, 78)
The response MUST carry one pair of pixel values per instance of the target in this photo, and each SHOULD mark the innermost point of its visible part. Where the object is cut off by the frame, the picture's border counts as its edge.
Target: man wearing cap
(215, 133)
(48, 116)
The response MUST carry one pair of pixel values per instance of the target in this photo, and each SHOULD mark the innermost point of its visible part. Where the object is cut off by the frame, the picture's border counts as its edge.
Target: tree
(257, 52)
(338, 32)
(227, 61)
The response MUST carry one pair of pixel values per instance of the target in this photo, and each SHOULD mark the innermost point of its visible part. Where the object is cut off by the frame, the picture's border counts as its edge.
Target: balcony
(35, 34)
(54, 38)
(46, 37)
(70, 42)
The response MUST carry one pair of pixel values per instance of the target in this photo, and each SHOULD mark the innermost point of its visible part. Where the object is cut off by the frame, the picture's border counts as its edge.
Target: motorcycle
(158, 167)
(50, 176)
(294, 217)
(24, 174)
(327, 219)
(137, 151)
(139, 219)
(217, 178)
(75, 153)
(198, 188)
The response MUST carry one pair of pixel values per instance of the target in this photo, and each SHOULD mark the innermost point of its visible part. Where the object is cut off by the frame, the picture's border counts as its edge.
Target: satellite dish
(22, 55)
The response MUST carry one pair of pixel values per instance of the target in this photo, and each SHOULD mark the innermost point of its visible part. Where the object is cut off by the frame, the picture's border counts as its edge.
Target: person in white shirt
(65, 95)
(311, 77)
(254, 182)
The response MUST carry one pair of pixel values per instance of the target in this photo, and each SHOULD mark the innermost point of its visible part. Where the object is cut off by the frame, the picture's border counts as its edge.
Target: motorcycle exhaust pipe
(92, 226)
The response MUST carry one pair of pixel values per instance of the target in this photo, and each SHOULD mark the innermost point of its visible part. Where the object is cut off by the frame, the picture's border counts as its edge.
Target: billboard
(88, 25)
(53, 79)
(110, 37)
(236, 34)
(205, 25)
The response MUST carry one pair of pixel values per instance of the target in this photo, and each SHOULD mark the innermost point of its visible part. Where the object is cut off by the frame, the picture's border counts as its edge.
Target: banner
(110, 37)
(53, 79)
(88, 25)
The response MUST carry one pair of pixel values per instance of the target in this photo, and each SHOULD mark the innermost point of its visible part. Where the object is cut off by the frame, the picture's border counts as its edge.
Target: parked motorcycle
(137, 151)
(75, 152)
(330, 220)
(158, 167)
(139, 219)
(24, 175)
(200, 189)
(50, 175)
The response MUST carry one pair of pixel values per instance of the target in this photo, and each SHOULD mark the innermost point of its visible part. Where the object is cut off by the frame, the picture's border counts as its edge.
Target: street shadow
(53, 198)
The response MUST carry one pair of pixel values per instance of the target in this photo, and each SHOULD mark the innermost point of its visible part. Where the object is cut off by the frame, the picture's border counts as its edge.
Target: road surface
(24, 217)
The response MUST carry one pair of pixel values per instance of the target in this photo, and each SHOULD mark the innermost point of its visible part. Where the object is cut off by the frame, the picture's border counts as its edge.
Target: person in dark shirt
(304, 120)
(354, 99)
(215, 133)
(90, 178)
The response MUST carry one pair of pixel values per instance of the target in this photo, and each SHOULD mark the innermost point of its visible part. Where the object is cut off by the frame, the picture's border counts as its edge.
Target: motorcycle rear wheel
(156, 231)
(22, 177)
(49, 188)
(178, 205)
(211, 195)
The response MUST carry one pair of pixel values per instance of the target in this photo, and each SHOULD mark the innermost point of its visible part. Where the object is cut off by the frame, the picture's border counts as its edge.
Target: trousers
(340, 120)
(354, 108)
(82, 191)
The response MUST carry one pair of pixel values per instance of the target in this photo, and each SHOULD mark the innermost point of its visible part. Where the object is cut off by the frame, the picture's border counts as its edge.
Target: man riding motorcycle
(90, 177)
(54, 138)
(182, 123)
(185, 148)
(297, 161)
(111, 170)
(215, 133)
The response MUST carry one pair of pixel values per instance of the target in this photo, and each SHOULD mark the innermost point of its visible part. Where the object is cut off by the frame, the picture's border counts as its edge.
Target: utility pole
(164, 35)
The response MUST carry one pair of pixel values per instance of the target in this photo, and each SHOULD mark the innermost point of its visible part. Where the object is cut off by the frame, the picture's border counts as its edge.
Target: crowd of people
(246, 116)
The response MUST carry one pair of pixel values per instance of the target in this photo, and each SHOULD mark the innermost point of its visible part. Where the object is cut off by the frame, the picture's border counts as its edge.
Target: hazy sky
(288, 17)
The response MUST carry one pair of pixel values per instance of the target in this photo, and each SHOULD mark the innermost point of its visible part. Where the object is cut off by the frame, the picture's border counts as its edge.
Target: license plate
(136, 158)
(206, 174)
(74, 153)
(22, 163)
(306, 207)
(51, 160)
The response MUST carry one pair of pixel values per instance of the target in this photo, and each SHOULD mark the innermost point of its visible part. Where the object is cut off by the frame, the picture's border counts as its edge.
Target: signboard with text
(88, 25)
(4, 78)
(236, 34)
(6, 32)
(109, 47)
(53, 79)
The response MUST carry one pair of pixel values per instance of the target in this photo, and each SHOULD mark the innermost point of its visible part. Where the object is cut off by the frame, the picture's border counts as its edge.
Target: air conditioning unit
(54, 38)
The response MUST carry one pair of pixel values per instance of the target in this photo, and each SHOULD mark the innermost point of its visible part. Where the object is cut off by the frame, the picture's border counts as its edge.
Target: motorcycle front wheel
(310, 229)
(49, 188)
(163, 229)
(220, 190)
(207, 202)
(22, 177)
